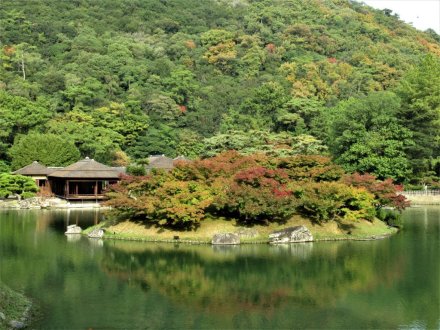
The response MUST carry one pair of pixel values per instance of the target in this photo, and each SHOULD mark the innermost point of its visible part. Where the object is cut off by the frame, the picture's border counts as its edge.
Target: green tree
(49, 149)
(17, 116)
(420, 112)
(4, 167)
(156, 141)
(189, 144)
(265, 104)
(278, 144)
(367, 137)
(92, 140)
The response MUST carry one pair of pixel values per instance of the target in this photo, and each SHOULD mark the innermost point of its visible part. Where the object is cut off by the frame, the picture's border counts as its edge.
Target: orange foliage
(8, 50)
(271, 48)
(433, 48)
(190, 44)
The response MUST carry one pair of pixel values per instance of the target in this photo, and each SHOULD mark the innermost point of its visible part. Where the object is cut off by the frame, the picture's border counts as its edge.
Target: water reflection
(391, 283)
(300, 250)
(73, 238)
(252, 278)
(96, 242)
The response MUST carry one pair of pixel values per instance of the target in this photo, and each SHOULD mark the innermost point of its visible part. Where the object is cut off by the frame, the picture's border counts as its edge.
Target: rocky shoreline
(260, 241)
(287, 235)
(44, 203)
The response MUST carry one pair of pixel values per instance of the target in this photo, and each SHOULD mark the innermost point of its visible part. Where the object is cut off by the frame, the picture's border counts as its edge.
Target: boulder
(2, 316)
(73, 229)
(96, 233)
(291, 235)
(225, 239)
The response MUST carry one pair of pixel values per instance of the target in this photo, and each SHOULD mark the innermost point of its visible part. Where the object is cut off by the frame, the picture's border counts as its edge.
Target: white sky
(423, 14)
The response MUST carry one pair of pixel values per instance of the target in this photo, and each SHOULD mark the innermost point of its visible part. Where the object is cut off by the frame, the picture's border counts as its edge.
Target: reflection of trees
(33, 245)
(393, 282)
(243, 279)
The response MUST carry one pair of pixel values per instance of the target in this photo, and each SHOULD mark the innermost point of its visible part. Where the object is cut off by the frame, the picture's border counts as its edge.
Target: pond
(81, 283)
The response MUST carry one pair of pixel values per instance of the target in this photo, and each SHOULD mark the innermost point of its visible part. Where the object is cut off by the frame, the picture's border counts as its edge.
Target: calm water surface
(81, 283)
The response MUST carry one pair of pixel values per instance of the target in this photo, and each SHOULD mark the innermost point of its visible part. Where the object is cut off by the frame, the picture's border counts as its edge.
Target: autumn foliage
(385, 192)
(252, 189)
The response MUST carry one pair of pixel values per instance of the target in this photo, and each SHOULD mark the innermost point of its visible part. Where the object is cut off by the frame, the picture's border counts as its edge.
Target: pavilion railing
(429, 192)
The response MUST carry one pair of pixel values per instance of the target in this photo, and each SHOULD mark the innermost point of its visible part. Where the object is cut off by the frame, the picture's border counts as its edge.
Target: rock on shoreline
(225, 239)
(291, 235)
(73, 229)
(44, 203)
(96, 233)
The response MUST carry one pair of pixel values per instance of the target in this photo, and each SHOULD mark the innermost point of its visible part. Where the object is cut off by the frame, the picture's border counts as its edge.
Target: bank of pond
(230, 231)
(15, 308)
(79, 282)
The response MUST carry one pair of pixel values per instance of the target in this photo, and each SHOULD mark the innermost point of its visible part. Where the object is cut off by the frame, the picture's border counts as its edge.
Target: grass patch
(12, 304)
(132, 230)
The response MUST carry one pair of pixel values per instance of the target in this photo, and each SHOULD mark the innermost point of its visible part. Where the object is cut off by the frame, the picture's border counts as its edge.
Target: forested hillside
(120, 80)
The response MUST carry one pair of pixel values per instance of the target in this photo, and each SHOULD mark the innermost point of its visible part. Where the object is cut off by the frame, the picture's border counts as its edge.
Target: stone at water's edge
(291, 235)
(96, 233)
(33, 203)
(225, 239)
(73, 229)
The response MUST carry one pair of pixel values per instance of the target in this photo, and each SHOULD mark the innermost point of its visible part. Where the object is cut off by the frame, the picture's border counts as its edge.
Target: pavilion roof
(160, 161)
(35, 168)
(86, 169)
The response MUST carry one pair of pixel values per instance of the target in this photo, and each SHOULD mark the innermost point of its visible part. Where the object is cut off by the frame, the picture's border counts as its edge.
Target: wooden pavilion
(36, 171)
(83, 180)
(87, 178)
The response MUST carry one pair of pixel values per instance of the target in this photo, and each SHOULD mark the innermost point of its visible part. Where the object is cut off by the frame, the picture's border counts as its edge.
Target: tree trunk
(22, 66)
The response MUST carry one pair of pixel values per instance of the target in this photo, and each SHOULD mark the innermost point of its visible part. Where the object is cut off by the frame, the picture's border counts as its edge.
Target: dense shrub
(170, 203)
(309, 167)
(136, 170)
(19, 185)
(257, 194)
(386, 193)
(252, 189)
(327, 201)
(251, 205)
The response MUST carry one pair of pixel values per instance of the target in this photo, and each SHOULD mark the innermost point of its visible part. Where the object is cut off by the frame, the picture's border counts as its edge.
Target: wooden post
(66, 189)
(96, 188)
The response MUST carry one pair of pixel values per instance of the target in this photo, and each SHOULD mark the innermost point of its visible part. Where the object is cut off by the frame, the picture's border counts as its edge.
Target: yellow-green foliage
(325, 201)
